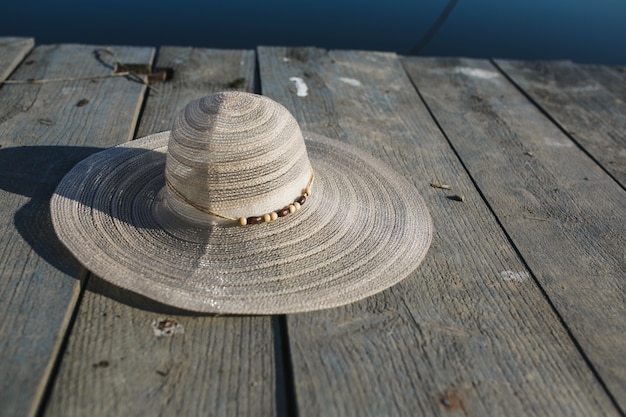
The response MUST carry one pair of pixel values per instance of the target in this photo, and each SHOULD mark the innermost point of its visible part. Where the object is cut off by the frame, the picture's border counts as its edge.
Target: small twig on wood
(442, 186)
(541, 219)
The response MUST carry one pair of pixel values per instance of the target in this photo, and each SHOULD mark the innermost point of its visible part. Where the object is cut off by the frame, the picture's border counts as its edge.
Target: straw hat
(235, 210)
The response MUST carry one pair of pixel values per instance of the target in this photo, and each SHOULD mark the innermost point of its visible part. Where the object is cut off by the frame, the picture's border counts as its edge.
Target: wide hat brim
(363, 229)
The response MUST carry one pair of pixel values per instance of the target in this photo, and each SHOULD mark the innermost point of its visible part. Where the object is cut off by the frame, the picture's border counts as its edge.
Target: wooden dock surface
(519, 308)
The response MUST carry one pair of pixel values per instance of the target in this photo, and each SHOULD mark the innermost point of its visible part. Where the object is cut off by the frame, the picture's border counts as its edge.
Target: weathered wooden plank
(12, 52)
(116, 363)
(196, 72)
(43, 132)
(588, 102)
(561, 210)
(469, 332)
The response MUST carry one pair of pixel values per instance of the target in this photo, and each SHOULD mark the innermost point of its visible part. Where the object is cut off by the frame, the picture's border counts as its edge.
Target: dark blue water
(587, 31)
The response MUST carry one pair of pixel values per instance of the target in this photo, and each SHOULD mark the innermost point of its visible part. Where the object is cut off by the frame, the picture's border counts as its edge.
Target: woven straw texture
(236, 154)
(363, 229)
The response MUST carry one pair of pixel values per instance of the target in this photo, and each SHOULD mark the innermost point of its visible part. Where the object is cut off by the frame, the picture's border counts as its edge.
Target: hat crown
(236, 154)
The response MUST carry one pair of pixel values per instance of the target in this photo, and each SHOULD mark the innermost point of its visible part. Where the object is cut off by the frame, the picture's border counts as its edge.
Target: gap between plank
(285, 392)
(40, 409)
(145, 97)
(256, 87)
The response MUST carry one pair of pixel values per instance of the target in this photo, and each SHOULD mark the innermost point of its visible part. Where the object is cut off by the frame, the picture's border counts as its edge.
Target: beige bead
(297, 205)
(307, 191)
(267, 218)
(292, 208)
(273, 215)
(243, 221)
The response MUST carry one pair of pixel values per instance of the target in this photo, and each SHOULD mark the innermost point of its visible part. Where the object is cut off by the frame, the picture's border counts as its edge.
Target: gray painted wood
(563, 213)
(12, 52)
(588, 102)
(470, 332)
(44, 130)
(116, 363)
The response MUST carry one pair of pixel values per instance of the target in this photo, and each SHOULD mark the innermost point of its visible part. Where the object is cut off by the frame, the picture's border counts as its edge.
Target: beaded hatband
(265, 218)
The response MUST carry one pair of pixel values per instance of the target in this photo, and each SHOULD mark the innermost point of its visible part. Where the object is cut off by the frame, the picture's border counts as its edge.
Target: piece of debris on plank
(442, 186)
(164, 327)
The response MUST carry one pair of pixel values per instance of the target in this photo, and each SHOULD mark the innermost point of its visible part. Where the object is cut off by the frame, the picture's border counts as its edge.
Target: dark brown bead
(301, 200)
(283, 212)
(255, 220)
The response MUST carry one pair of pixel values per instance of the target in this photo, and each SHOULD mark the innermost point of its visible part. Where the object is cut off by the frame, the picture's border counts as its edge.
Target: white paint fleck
(514, 276)
(165, 327)
(301, 88)
(67, 91)
(477, 73)
(557, 143)
(285, 59)
(350, 81)
(588, 88)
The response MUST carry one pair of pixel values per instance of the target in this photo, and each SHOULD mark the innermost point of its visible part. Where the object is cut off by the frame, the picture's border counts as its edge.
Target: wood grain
(588, 102)
(563, 213)
(470, 332)
(196, 72)
(43, 133)
(12, 52)
(116, 362)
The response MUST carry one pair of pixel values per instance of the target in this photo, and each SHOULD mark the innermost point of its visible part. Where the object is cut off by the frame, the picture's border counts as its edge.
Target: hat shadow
(133, 299)
(34, 172)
